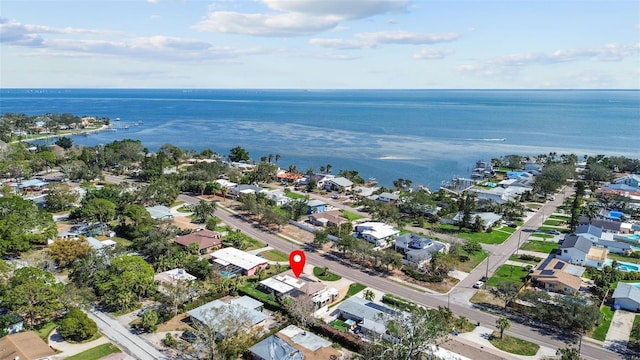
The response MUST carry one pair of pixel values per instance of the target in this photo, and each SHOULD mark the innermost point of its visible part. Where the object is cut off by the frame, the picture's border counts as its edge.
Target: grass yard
(275, 255)
(295, 196)
(350, 216)
(508, 229)
(253, 244)
(45, 330)
(508, 273)
(513, 345)
(494, 237)
(553, 222)
(549, 228)
(541, 236)
(329, 276)
(354, 289)
(636, 325)
(540, 246)
(600, 333)
(476, 259)
(526, 261)
(560, 217)
(338, 325)
(96, 352)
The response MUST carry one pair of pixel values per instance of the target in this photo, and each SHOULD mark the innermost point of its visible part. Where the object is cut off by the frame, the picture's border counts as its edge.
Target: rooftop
(238, 258)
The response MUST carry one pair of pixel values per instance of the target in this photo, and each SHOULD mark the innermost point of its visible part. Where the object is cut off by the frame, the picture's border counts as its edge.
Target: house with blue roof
(315, 206)
(632, 180)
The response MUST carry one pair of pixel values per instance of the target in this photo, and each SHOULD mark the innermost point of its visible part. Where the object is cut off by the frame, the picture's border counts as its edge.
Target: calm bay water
(427, 136)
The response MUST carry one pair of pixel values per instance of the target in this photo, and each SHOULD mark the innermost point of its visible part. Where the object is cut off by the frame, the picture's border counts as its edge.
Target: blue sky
(331, 44)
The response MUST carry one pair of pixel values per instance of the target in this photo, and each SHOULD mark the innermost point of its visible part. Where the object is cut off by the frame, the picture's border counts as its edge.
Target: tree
(65, 251)
(301, 309)
(410, 335)
(369, 295)
(23, 224)
(506, 291)
(238, 153)
(212, 222)
(149, 321)
(77, 326)
(320, 237)
(64, 142)
(503, 324)
(60, 197)
(127, 279)
(34, 294)
(204, 210)
(222, 333)
(98, 210)
(135, 221)
(568, 353)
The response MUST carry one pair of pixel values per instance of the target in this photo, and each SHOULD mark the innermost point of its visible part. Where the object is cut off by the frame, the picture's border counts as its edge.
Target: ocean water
(427, 136)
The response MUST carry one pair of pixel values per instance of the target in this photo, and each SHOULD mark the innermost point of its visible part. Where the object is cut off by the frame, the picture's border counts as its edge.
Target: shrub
(422, 276)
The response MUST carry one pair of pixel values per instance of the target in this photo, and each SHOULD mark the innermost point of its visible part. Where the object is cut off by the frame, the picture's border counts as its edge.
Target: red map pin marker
(296, 261)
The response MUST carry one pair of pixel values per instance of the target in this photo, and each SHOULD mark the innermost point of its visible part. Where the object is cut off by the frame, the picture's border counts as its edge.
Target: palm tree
(369, 295)
(503, 324)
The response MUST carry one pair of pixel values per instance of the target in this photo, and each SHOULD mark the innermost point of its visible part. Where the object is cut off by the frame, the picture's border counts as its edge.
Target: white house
(338, 184)
(581, 251)
(627, 296)
(377, 233)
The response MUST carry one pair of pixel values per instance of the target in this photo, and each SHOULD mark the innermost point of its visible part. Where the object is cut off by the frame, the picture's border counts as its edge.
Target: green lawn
(508, 229)
(350, 216)
(540, 246)
(600, 333)
(253, 244)
(45, 330)
(517, 258)
(275, 255)
(354, 289)
(560, 217)
(553, 222)
(476, 259)
(494, 237)
(317, 271)
(339, 325)
(295, 196)
(549, 228)
(508, 273)
(514, 345)
(541, 236)
(636, 325)
(96, 352)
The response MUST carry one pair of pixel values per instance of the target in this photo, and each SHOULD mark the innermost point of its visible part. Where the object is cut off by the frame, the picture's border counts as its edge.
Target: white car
(335, 196)
(478, 284)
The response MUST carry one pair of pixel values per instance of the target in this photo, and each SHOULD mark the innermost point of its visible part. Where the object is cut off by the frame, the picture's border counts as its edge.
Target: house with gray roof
(632, 180)
(369, 316)
(418, 250)
(159, 212)
(627, 296)
(581, 251)
(210, 313)
(615, 247)
(338, 184)
(275, 348)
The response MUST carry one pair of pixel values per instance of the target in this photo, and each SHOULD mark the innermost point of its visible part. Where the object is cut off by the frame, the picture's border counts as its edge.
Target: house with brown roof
(558, 276)
(328, 218)
(207, 240)
(24, 346)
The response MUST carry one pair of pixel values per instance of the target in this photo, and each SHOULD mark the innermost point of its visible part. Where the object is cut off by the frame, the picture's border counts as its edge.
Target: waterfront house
(377, 233)
(627, 296)
(387, 197)
(231, 261)
(244, 189)
(581, 251)
(558, 276)
(488, 219)
(207, 240)
(340, 184)
(632, 180)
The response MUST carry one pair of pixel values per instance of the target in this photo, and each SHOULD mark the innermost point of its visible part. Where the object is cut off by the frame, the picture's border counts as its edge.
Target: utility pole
(519, 236)
(486, 274)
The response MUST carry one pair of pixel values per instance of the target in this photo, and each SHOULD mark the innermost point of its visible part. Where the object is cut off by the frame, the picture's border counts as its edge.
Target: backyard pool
(633, 237)
(624, 266)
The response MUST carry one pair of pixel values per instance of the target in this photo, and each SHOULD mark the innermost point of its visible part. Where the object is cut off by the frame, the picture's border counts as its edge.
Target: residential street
(132, 344)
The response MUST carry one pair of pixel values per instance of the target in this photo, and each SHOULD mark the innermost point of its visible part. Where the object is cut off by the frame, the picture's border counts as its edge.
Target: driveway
(619, 331)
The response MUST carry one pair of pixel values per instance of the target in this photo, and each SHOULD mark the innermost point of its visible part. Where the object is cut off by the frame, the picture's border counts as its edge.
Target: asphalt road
(133, 344)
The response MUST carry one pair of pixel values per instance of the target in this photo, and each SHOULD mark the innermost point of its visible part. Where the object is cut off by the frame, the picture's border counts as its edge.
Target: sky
(320, 44)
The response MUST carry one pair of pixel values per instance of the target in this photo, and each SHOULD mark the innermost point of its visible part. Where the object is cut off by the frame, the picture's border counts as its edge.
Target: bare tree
(223, 334)
(301, 309)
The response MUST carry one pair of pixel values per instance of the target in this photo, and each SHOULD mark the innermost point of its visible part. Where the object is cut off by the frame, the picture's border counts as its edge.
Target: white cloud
(345, 10)
(340, 44)
(406, 37)
(608, 52)
(374, 39)
(432, 54)
(296, 18)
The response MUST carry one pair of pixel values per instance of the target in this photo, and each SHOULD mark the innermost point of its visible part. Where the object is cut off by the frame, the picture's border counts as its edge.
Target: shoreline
(51, 136)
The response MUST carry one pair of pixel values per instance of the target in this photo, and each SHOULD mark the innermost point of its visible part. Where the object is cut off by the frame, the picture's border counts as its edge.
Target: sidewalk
(479, 340)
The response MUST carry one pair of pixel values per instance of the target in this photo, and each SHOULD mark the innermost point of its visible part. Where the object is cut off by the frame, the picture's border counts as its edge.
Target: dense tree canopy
(23, 224)
(34, 294)
(77, 326)
(124, 282)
